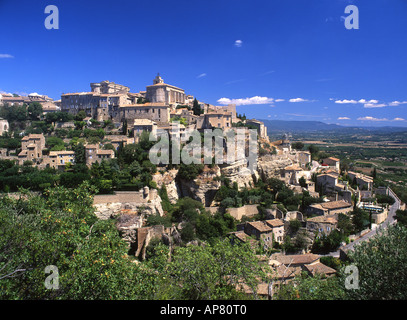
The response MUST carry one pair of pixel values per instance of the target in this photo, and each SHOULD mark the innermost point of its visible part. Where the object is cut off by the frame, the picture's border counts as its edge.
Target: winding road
(385, 224)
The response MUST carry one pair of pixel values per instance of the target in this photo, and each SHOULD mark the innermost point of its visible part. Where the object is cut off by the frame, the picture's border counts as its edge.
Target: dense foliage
(60, 229)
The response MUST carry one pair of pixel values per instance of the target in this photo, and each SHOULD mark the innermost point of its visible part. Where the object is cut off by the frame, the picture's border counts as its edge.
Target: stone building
(267, 230)
(108, 87)
(303, 157)
(332, 162)
(363, 181)
(94, 154)
(322, 224)
(4, 126)
(221, 120)
(329, 208)
(59, 159)
(160, 92)
(31, 148)
(153, 111)
(327, 182)
(141, 125)
(16, 100)
(100, 103)
(230, 108)
(261, 128)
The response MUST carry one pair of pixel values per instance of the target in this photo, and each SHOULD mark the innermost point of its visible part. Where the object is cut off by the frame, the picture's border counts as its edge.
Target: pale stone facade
(261, 128)
(330, 208)
(152, 111)
(322, 224)
(4, 126)
(59, 159)
(332, 162)
(221, 120)
(94, 154)
(363, 181)
(100, 103)
(161, 92)
(31, 148)
(141, 125)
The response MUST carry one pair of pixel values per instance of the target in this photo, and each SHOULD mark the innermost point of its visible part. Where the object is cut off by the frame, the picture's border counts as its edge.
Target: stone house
(363, 181)
(329, 208)
(94, 154)
(327, 182)
(4, 126)
(264, 230)
(164, 93)
(332, 162)
(31, 148)
(308, 262)
(154, 111)
(261, 128)
(58, 159)
(303, 157)
(277, 227)
(213, 120)
(99, 103)
(322, 224)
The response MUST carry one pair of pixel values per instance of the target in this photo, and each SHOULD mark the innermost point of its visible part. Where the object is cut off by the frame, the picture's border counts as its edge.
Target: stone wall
(144, 202)
(248, 210)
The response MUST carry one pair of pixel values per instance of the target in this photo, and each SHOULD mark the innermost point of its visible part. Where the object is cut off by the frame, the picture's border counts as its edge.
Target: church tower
(158, 79)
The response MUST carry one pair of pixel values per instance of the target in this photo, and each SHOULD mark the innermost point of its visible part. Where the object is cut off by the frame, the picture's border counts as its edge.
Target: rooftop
(335, 204)
(260, 226)
(295, 258)
(319, 268)
(324, 219)
(275, 222)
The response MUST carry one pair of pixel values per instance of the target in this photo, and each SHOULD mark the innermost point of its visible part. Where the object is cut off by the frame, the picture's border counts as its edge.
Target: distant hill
(275, 126)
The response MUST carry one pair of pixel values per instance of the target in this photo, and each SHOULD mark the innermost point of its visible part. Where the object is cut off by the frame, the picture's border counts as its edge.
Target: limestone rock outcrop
(203, 188)
(168, 178)
(271, 166)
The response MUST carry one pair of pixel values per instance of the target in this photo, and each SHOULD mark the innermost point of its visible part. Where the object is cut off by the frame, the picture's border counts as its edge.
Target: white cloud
(343, 118)
(238, 43)
(298, 100)
(279, 100)
(399, 119)
(374, 105)
(201, 75)
(396, 103)
(346, 101)
(368, 118)
(246, 101)
(5, 56)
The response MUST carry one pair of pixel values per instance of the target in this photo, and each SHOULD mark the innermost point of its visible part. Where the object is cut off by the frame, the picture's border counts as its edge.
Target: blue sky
(277, 59)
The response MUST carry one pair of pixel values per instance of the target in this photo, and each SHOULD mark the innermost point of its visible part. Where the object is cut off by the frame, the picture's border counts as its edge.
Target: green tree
(381, 266)
(196, 108)
(34, 110)
(297, 145)
(360, 219)
(401, 217)
(80, 156)
(214, 272)
(306, 287)
(60, 229)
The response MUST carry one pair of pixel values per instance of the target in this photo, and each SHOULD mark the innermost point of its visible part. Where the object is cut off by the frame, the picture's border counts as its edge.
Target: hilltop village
(295, 207)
